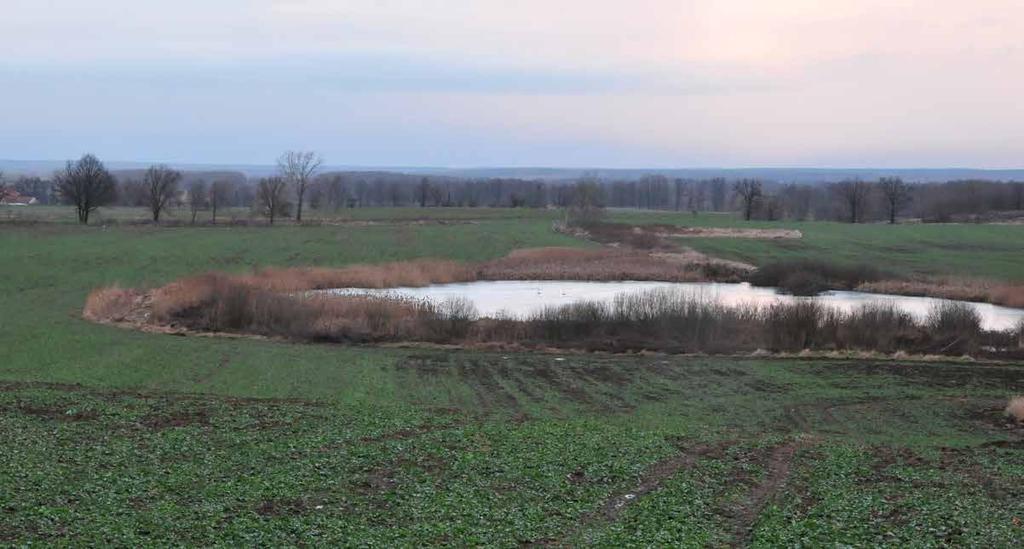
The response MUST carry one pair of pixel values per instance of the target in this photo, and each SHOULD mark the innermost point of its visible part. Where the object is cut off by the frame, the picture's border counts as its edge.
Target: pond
(520, 298)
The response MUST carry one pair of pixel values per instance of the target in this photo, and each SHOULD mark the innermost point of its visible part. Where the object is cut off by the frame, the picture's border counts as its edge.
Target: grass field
(115, 437)
(977, 250)
(178, 215)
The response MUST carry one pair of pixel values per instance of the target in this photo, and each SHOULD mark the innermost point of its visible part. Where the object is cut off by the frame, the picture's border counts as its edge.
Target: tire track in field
(651, 480)
(778, 470)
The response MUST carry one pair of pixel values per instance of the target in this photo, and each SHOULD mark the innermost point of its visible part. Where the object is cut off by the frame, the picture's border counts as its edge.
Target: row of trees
(87, 185)
(853, 196)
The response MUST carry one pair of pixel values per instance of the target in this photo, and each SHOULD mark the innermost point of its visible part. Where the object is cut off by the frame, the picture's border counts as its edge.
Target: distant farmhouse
(11, 197)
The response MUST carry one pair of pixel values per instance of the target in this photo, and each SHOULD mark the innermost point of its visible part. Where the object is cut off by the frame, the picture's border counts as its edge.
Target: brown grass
(1015, 409)
(963, 289)
(111, 304)
(598, 264)
(420, 272)
(221, 303)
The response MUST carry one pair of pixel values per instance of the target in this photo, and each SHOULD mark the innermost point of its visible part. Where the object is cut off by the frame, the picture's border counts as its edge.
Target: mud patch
(177, 418)
(57, 413)
(378, 481)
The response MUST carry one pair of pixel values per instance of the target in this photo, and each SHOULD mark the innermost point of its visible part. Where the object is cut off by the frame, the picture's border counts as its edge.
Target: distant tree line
(300, 184)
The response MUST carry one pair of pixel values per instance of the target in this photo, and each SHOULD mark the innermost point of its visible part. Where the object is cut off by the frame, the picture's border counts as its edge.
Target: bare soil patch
(720, 232)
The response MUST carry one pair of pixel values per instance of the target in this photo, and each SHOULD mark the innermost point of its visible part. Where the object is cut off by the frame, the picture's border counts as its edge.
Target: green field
(976, 250)
(113, 437)
(182, 214)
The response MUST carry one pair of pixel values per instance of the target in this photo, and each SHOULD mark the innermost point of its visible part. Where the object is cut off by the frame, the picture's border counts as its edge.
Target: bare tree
(271, 197)
(220, 190)
(749, 191)
(198, 198)
(854, 195)
(86, 184)
(896, 193)
(773, 208)
(424, 191)
(586, 204)
(1017, 191)
(161, 184)
(297, 168)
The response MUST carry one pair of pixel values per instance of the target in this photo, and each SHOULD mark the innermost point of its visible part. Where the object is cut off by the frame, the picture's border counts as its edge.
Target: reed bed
(962, 289)
(599, 264)
(420, 272)
(111, 304)
(667, 320)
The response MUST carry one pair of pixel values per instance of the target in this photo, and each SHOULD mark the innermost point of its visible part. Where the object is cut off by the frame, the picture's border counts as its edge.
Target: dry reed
(111, 304)
(1015, 409)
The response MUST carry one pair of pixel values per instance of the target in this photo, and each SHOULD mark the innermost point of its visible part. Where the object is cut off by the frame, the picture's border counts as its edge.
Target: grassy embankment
(160, 441)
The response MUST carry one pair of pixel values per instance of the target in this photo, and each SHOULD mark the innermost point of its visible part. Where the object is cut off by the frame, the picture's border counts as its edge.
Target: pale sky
(574, 83)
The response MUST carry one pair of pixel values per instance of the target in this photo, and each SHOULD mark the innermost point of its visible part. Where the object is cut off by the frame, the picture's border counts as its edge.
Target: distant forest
(852, 200)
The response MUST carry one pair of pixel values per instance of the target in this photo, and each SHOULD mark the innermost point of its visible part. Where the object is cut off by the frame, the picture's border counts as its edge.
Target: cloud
(928, 82)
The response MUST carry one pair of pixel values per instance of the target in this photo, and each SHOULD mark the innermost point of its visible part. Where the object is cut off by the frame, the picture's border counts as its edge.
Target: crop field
(117, 437)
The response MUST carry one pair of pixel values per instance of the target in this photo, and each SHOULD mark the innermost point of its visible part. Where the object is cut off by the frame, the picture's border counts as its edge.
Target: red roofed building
(11, 197)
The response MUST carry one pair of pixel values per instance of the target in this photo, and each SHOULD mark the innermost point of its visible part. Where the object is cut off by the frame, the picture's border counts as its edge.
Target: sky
(562, 83)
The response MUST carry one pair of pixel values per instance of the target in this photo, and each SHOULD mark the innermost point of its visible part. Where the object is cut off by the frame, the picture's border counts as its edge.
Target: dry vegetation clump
(420, 272)
(111, 304)
(219, 303)
(586, 264)
(1015, 409)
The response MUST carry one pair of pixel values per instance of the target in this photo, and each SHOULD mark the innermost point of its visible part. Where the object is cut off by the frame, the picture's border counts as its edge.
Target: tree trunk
(298, 211)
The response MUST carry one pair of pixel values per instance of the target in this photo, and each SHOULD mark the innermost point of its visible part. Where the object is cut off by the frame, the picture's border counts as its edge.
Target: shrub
(881, 327)
(452, 318)
(955, 327)
(795, 326)
(804, 283)
(806, 275)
